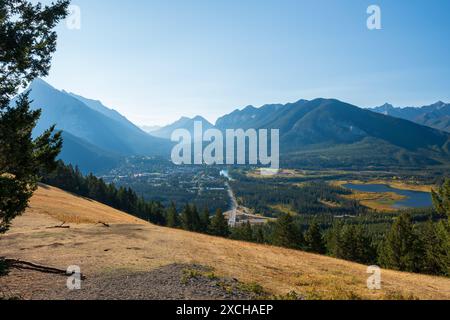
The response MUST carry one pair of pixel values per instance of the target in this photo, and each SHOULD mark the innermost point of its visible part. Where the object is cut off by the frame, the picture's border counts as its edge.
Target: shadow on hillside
(6, 265)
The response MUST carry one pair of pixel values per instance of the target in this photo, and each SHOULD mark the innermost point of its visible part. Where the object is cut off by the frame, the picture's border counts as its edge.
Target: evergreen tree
(172, 218)
(285, 233)
(205, 220)
(435, 240)
(314, 240)
(27, 42)
(186, 218)
(219, 225)
(441, 199)
(190, 219)
(400, 250)
(334, 240)
(259, 234)
(356, 245)
(243, 232)
(157, 214)
(195, 218)
(247, 232)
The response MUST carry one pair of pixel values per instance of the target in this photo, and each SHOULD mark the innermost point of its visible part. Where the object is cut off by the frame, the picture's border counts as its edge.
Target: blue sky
(155, 61)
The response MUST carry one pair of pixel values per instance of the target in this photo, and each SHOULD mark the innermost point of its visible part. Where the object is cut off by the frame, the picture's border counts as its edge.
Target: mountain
(87, 123)
(265, 117)
(436, 115)
(110, 113)
(86, 156)
(321, 132)
(334, 133)
(150, 129)
(183, 123)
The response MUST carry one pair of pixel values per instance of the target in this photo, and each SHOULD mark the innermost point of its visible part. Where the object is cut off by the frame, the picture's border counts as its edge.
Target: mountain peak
(38, 83)
(439, 104)
(301, 101)
(249, 108)
(387, 106)
(199, 118)
(183, 123)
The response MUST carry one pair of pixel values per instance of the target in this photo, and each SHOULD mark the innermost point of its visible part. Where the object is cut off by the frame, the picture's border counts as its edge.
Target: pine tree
(285, 233)
(247, 232)
(400, 250)
(219, 225)
(172, 218)
(195, 219)
(27, 41)
(435, 240)
(356, 245)
(205, 220)
(334, 240)
(186, 218)
(259, 235)
(441, 199)
(314, 240)
(349, 244)
(157, 216)
(243, 232)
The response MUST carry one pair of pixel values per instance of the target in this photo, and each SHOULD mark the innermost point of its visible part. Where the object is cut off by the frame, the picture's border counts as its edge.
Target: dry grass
(330, 204)
(284, 208)
(292, 173)
(379, 201)
(69, 208)
(133, 245)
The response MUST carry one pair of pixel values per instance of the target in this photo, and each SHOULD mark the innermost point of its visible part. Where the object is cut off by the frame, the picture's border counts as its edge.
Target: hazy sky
(155, 61)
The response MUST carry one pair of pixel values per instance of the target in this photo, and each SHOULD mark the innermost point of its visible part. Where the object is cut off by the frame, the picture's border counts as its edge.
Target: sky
(157, 60)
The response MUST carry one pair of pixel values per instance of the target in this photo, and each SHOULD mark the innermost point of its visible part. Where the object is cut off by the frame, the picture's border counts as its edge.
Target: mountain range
(150, 129)
(95, 137)
(183, 123)
(436, 115)
(333, 133)
(316, 133)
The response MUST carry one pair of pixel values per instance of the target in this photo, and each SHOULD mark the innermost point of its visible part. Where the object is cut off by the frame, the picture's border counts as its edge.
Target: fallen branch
(62, 226)
(23, 265)
(104, 224)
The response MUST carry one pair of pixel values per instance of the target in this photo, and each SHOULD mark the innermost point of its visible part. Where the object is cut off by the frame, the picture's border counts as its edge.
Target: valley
(158, 179)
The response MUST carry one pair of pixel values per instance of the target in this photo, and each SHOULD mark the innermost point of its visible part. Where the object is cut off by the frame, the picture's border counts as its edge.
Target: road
(234, 207)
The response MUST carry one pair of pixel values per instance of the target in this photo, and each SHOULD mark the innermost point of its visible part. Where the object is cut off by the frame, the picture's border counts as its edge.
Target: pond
(414, 199)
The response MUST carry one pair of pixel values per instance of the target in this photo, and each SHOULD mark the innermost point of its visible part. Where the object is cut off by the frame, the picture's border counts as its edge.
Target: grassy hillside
(133, 246)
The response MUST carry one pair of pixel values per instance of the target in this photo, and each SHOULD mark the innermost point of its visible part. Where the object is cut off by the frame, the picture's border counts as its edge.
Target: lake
(415, 199)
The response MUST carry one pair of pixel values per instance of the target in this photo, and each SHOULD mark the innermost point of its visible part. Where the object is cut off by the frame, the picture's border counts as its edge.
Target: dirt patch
(172, 282)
